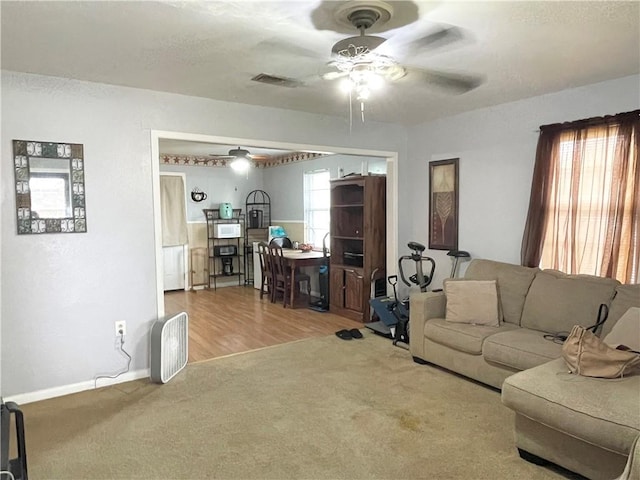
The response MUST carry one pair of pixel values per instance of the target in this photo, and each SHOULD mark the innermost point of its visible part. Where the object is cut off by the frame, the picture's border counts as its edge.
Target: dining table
(298, 258)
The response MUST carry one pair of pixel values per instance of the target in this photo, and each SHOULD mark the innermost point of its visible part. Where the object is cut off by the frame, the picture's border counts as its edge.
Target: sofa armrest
(428, 305)
(422, 307)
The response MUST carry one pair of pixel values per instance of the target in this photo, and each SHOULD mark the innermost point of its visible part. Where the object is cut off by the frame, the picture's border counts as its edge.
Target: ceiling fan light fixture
(240, 164)
(356, 58)
(366, 71)
(362, 80)
(374, 81)
(346, 85)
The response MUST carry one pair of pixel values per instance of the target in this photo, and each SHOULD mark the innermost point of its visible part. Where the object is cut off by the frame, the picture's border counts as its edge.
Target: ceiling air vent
(278, 81)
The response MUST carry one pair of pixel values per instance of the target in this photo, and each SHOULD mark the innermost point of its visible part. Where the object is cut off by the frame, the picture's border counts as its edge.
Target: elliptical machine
(393, 314)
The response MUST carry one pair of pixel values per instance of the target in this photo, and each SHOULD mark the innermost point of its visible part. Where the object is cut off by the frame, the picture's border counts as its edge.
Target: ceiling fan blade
(453, 82)
(255, 158)
(441, 37)
(233, 153)
(308, 80)
(400, 44)
(333, 75)
(278, 46)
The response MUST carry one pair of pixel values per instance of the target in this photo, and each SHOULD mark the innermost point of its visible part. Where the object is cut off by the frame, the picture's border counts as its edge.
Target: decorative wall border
(191, 160)
(292, 157)
(273, 161)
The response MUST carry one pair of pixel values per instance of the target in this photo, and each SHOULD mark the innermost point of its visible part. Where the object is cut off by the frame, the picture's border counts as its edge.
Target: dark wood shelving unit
(358, 244)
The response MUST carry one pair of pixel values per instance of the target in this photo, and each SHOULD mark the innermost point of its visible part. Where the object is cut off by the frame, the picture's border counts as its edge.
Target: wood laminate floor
(234, 319)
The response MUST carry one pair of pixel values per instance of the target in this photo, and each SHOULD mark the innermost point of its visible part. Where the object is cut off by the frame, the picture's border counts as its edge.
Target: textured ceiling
(213, 49)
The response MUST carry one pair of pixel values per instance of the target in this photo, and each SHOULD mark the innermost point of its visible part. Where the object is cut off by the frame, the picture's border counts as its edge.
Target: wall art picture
(443, 204)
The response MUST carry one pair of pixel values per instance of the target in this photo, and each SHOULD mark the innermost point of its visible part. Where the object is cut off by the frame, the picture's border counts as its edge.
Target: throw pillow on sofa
(472, 301)
(626, 331)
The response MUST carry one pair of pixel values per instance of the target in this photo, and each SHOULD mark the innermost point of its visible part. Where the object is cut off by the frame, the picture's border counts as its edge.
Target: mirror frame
(23, 150)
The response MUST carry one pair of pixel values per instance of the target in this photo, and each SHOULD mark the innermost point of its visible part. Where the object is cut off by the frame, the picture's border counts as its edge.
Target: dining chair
(282, 276)
(266, 271)
(282, 242)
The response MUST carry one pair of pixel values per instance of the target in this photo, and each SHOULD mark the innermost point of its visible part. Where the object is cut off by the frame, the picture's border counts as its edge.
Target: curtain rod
(592, 121)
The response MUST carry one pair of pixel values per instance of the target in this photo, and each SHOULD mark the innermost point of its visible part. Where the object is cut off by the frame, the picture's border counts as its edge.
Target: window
(580, 203)
(584, 214)
(317, 199)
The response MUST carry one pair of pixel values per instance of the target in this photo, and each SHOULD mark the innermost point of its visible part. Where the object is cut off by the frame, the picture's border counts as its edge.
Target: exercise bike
(393, 314)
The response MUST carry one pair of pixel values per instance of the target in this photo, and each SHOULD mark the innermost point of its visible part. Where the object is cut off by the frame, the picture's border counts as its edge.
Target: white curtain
(172, 205)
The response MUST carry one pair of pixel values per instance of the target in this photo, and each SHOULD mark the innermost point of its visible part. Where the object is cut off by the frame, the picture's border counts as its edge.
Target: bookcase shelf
(358, 243)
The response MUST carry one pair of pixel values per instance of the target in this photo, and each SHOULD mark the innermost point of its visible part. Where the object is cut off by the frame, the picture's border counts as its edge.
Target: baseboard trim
(30, 397)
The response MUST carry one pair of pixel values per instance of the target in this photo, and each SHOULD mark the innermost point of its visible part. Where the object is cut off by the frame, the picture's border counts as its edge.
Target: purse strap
(580, 333)
(603, 314)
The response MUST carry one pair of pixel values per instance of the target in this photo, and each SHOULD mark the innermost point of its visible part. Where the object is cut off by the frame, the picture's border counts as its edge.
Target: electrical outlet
(121, 328)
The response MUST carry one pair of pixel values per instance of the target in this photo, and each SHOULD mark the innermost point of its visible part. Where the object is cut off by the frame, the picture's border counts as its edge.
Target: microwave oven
(226, 230)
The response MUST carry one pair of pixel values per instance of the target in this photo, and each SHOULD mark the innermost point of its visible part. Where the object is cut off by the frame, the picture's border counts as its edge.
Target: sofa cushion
(513, 284)
(472, 301)
(626, 296)
(461, 336)
(557, 301)
(520, 349)
(601, 412)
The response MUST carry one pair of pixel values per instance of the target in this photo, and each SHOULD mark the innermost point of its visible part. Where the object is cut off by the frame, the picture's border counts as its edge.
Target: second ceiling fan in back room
(240, 159)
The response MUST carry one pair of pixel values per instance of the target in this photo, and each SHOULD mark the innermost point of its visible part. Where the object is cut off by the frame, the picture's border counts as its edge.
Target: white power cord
(95, 382)
(7, 472)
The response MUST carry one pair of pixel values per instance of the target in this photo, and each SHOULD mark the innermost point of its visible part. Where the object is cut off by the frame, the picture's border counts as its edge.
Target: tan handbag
(587, 355)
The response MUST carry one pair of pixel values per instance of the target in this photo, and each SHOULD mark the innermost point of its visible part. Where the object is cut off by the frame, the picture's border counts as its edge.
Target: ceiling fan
(240, 159)
(363, 53)
(364, 63)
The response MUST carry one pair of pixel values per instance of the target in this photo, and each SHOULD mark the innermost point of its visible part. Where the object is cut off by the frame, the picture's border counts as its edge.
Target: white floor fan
(169, 346)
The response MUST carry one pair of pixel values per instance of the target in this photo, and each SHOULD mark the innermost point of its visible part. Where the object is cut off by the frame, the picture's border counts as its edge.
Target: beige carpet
(323, 408)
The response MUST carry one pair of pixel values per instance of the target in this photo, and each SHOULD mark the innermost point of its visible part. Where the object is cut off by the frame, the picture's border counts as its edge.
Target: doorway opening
(256, 312)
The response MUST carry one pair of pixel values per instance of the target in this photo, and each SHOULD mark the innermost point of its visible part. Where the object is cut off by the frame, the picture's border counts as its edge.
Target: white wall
(496, 147)
(285, 183)
(62, 293)
(220, 184)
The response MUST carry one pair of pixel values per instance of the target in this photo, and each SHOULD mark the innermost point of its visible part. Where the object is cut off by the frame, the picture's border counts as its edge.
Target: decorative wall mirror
(50, 194)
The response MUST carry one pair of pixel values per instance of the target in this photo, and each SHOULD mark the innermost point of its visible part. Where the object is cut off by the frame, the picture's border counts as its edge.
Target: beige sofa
(585, 425)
